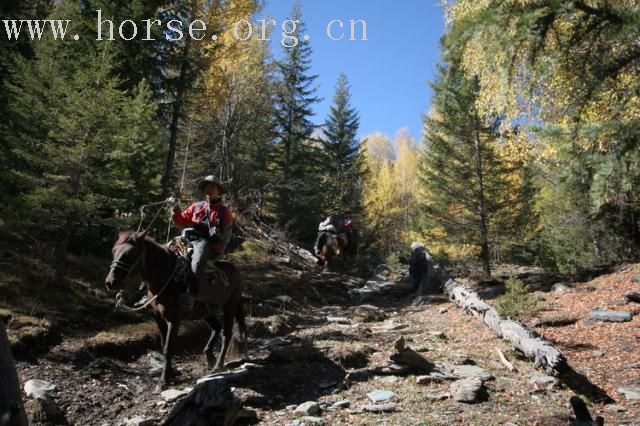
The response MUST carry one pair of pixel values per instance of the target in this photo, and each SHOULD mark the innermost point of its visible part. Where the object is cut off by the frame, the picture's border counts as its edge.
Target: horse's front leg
(216, 328)
(162, 326)
(167, 351)
(226, 339)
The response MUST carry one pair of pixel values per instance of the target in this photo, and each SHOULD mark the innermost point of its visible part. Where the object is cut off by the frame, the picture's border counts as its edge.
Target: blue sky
(388, 73)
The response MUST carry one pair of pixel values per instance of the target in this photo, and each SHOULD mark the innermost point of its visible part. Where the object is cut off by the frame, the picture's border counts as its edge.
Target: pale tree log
(543, 353)
(11, 409)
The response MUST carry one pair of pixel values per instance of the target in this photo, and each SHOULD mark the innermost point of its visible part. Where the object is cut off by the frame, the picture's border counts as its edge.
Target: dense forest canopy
(529, 152)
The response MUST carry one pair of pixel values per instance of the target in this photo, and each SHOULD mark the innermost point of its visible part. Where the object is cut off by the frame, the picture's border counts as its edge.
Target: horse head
(128, 258)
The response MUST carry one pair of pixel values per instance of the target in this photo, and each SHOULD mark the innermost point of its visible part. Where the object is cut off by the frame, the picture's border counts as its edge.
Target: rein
(119, 264)
(120, 298)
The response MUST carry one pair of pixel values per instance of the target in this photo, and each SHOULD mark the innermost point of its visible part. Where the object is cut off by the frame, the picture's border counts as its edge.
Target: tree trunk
(175, 118)
(535, 348)
(484, 233)
(11, 409)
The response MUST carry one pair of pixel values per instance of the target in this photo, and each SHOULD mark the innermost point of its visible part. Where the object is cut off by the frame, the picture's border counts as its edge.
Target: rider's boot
(187, 299)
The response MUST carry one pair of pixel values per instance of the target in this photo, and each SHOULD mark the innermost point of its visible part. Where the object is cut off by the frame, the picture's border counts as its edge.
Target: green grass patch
(251, 251)
(25, 332)
(124, 334)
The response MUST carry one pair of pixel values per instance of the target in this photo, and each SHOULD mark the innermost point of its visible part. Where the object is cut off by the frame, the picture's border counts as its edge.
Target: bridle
(126, 267)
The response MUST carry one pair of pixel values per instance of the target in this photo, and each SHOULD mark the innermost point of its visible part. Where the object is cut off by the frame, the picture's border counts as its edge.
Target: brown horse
(136, 254)
(334, 246)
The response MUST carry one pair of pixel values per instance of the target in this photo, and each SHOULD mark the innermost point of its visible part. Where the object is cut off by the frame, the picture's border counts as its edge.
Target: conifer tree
(298, 157)
(87, 152)
(344, 171)
(463, 178)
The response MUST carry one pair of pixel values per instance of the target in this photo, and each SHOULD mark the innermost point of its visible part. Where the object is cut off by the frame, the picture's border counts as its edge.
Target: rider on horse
(342, 226)
(211, 221)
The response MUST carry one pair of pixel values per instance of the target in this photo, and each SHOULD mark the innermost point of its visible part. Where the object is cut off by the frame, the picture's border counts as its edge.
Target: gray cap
(211, 179)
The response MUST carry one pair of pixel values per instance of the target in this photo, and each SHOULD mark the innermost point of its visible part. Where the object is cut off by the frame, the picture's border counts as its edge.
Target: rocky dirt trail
(319, 353)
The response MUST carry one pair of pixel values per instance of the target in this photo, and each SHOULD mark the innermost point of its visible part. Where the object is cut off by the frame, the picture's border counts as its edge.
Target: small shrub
(393, 260)
(516, 301)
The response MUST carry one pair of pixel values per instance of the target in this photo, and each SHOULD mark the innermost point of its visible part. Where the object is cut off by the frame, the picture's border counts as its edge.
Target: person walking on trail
(211, 222)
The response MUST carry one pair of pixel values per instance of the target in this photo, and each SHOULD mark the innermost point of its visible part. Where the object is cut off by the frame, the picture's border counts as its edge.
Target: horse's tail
(238, 345)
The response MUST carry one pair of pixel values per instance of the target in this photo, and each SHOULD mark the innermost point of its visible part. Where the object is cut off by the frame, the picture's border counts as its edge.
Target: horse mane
(124, 236)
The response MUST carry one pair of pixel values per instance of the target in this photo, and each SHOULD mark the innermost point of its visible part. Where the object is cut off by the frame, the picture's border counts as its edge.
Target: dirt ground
(102, 378)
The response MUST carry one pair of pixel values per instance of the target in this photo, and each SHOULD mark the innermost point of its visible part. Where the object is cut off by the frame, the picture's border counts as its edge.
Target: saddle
(182, 247)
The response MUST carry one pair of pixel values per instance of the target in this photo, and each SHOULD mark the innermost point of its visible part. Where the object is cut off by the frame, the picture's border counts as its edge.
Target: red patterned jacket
(219, 216)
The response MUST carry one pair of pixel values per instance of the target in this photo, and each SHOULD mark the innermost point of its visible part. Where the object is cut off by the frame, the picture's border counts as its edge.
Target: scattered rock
(210, 402)
(435, 377)
(543, 382)
(391, 368)
(443, 311)
(559, 287)
(312, 420)
(338, 320)
(390, 326)
(463, 360)
(636, 278)
(611, 316)
(138, 421)
(632, 296)
(345, 403)
(381, 396)
(616, 408)
(389, 380)
(597, 353)
(156, 362)
(308, 408)
(407, 356)
(469, 371)
(38, 389)
(467, 390)
(379, 408)
(171, 395)
(632, 393)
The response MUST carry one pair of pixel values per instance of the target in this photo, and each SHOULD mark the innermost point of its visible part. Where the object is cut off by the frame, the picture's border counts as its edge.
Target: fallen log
(11, 408)
(543, 353)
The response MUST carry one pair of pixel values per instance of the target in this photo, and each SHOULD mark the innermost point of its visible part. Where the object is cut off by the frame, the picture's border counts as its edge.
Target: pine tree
(82, 144)
(298, 157)
(463, 178)
(345, 164)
